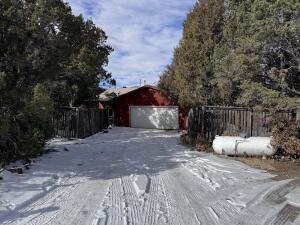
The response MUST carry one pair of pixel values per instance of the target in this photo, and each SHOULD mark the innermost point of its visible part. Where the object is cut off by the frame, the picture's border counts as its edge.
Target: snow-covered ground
(143, 177)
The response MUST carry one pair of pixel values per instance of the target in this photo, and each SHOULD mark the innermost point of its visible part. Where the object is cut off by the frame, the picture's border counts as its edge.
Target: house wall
(143, 97)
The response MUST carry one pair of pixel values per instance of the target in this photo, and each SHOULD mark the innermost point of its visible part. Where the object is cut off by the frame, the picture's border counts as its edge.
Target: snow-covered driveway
(143, 177)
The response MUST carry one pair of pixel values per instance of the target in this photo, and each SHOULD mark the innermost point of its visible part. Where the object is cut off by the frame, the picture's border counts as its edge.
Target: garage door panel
(154, 117)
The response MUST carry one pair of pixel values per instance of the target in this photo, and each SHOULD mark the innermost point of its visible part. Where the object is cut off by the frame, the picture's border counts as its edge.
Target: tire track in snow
(152, 198)
(179, 210)
(26, 213)
(85, 201)
(194, 193)
(195, 200)
(259, 207)
(223, 211)
(101, 215)
(202, 174)
(172, 212)
(66, 213)
(180, 186)
(216, 210)
(278, 195)
(132, 202)
(286, 216)
(134, 209)
(115, 205)
(197, 192)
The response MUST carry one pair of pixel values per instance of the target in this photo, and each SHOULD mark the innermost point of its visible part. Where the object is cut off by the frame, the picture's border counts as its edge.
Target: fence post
(189, 120)
(77, 122)
(203, 116)
(251, 122)
(101, 120)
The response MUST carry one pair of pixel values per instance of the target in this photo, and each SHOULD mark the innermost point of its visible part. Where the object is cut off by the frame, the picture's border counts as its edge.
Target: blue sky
(143, 34)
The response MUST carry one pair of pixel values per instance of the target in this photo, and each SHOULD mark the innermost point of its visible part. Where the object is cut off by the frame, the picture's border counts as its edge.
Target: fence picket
(209, 121)
(77, 122)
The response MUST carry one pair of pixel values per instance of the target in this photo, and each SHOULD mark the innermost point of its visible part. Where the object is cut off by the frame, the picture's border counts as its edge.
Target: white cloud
(143, 34)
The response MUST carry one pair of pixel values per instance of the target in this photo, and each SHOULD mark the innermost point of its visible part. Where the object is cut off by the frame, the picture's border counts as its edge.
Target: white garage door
(154, 117)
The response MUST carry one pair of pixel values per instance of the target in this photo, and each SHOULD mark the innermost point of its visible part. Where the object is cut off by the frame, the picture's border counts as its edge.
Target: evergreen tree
(234, 52)
(257, 62)
(190, 76)
(48, 57)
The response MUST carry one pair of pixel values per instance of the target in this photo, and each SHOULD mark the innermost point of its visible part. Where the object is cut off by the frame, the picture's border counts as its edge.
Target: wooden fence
(210, 121)
(77, 122)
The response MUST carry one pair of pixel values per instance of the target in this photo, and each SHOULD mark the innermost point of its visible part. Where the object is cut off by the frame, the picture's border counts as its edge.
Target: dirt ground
(283, 168)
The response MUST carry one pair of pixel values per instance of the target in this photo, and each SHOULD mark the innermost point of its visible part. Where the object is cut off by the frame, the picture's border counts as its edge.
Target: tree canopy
(48, 57)
(244, 53)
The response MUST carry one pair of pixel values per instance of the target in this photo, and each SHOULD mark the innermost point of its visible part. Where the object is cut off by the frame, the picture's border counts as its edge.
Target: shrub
(24, 132)
(286, 137)
(196, 141)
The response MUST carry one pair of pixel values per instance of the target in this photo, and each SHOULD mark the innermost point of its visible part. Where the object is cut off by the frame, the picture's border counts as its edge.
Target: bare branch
(293, 90)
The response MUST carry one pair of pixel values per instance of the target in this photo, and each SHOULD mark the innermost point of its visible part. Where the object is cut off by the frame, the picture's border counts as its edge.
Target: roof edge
(138, 89)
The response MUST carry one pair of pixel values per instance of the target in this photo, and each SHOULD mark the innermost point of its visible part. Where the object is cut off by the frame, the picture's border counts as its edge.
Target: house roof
(114, 92)
(118, 92)
(138, 89)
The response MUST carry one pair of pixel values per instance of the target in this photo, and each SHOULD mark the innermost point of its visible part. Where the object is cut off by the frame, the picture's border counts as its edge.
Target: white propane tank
(253, 146)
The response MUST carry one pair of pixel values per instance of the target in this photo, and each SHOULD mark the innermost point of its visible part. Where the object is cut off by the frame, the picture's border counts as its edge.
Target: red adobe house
(129, 107)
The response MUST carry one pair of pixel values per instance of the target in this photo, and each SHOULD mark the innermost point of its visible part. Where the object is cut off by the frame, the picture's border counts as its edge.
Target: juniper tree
(257, 62)
(238, 53)
(48, 57)
(191, 72)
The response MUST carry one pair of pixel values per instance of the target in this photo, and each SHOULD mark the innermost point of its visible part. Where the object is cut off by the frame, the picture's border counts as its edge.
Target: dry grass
(230, 133)
(283, 168)
(198, 143)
